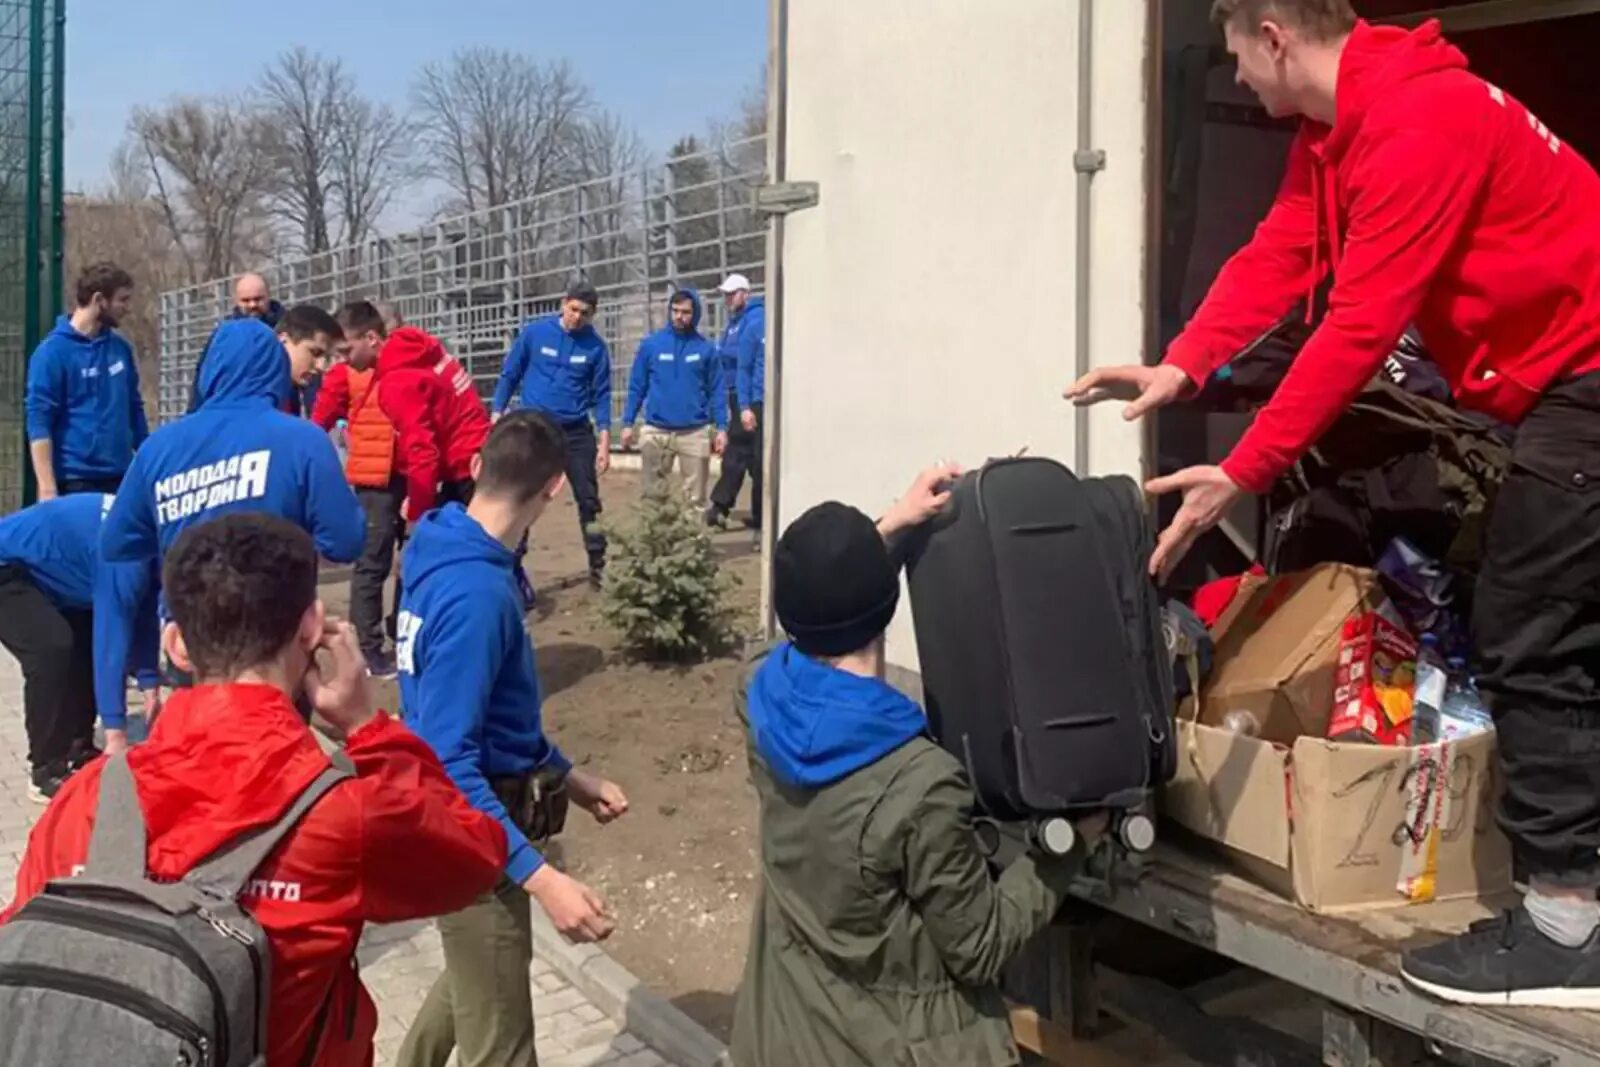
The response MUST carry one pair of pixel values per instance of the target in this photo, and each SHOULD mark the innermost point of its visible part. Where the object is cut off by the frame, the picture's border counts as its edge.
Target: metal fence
(31, 93)
(473, 280)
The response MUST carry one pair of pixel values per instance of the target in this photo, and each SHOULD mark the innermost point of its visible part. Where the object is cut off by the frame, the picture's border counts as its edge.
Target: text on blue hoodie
(58, 543)
(468, 684)
(815, 724)
(677, 377)
(567, 375)
(744, 345)
(83, 397)
(236, 452)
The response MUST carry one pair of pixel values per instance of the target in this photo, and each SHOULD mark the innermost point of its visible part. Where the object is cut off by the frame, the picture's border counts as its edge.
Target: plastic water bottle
(1463, 713)
(1432, 686)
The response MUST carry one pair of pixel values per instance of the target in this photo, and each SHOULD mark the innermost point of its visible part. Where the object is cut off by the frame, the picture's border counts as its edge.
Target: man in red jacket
(1435, 198)
(429, 397)
(228, 756)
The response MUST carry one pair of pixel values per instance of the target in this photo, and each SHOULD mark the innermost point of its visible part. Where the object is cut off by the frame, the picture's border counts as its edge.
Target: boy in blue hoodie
(238, 451)
(677, 378)
(85, 416)
(563, 368)
(880, 932)
(469, 688)
(63, 615)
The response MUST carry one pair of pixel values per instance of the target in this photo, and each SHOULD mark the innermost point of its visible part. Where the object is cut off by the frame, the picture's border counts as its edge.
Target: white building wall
(927, 301)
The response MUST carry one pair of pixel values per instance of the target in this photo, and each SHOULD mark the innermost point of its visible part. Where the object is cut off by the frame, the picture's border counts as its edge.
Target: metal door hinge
(781, 198)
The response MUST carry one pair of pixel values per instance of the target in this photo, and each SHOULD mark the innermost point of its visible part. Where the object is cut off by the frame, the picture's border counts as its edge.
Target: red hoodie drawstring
(1324, 215)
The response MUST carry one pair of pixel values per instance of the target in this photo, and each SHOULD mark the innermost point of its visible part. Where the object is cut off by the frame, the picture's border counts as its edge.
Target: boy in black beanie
(879, 929)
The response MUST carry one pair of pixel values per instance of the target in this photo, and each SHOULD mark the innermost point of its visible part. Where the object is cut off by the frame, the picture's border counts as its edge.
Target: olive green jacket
(879, 933)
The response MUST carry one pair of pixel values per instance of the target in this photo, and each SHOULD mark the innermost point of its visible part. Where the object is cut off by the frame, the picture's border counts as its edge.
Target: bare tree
(208, 161)
(304, 96)
(606, 157)
(371, 164)
(498, 126)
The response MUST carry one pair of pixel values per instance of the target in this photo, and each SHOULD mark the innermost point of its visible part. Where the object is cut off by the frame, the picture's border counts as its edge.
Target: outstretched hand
(1208, 493)
(1144, 388)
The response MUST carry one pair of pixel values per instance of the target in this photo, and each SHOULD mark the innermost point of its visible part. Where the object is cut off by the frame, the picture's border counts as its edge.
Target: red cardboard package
(1374, 681)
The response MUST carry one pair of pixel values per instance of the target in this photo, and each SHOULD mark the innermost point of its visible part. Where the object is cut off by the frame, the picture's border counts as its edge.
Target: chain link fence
(474, 280)
(31, 89)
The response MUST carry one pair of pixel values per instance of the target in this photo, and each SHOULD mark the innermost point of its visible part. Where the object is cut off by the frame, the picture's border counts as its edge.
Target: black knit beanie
(833, 586)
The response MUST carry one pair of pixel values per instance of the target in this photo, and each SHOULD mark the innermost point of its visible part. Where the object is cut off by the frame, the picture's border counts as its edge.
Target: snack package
(1374, 683)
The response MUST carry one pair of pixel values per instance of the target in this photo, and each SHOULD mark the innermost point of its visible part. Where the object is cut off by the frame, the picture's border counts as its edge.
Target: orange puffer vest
(372, 460)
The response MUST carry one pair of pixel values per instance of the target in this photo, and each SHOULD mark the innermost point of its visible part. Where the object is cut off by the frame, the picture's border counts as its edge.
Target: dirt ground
(678, 870)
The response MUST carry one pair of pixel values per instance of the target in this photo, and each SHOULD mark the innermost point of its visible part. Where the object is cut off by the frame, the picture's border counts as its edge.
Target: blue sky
(667, 75)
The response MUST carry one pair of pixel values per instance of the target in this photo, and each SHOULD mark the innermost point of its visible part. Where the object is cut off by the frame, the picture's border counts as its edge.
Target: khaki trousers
(689, 449)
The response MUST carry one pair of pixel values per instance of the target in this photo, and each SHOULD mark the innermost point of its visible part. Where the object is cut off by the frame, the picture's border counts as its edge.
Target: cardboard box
(1333, 826)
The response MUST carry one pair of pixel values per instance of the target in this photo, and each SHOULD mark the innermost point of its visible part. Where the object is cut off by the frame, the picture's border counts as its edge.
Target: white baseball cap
(734, 283)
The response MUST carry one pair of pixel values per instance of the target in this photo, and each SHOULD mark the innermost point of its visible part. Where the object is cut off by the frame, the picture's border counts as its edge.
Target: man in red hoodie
(429, 397)
(1436, 198)
(228, 756)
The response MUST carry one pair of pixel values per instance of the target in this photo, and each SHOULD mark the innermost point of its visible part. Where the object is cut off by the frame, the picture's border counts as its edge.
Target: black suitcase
(1044, 668)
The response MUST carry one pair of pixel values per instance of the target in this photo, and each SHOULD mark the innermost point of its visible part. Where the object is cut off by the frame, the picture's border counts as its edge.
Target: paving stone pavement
(398, 962)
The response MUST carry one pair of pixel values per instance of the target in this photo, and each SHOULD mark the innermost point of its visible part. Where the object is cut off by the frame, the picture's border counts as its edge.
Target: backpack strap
(117, 845)
(223, 874)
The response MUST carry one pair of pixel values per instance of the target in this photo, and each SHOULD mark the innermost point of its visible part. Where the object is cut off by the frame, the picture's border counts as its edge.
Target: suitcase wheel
(1138, 833)
(1055, 836)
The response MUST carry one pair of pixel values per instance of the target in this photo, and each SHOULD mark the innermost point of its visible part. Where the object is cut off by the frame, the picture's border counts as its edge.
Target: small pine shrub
(663, 591)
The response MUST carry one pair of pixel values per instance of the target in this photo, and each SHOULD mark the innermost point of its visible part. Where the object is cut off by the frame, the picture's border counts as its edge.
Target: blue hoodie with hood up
(815, 725)
(83, 397)
(677, 377)
(236, 452)
(58, 543)
(468, 684)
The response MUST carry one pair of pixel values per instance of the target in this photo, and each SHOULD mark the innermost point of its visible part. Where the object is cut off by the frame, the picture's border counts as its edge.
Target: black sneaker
(716, 518)
(46, 781)
(597, 578)
(1507, 961)
(380, 665)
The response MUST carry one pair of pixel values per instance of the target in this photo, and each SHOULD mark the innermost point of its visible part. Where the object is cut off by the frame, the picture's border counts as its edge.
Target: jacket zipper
(93, 987)
(151, 936)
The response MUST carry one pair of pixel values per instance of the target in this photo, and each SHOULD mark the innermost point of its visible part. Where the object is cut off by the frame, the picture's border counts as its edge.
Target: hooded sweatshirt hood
(468, 681)
(694, 299)
(409, 347)
(448, 538)
(223, 759)
(814, 724)
(245, 362)
(677, 377)
(1376, 61)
